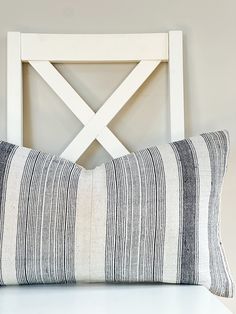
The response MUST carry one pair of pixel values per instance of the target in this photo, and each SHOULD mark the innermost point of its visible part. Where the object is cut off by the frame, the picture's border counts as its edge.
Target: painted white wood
(92, 48)
(95, 48)
(39, 49)
(107, 299)
(77, 105)
(14, 90)
(176, 92)
(110, 108)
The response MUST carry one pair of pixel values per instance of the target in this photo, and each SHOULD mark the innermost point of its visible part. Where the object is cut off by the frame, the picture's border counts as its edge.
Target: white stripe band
(204, 194)
(172, 214)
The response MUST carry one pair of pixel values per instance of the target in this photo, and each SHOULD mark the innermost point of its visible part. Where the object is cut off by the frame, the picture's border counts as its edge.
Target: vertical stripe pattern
(150, 216)
(6, 150)
(188, 181)
(217, 144)
(10, 218)
(38, 210)
(163, 214)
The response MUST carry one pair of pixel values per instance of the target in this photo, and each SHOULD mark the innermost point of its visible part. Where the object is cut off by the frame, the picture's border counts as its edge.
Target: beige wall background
(209, 28)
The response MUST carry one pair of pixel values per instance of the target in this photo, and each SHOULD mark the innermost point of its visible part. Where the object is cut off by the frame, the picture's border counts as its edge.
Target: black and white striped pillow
(150, 216)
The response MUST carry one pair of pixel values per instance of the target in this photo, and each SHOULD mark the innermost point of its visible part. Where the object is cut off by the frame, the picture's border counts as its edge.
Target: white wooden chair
(148, 50)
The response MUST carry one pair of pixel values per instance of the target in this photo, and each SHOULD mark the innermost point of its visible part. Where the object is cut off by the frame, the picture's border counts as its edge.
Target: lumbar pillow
(150, 216)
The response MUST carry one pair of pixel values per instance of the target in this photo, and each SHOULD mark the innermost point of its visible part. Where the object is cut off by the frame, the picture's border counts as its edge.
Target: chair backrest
(42, 50)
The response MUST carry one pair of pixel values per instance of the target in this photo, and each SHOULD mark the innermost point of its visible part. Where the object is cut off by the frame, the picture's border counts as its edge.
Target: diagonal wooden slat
(77, 105)
(110, 108)
(37, 48)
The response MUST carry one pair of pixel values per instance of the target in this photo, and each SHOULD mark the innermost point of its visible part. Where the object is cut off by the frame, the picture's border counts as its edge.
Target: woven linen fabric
(150, 216)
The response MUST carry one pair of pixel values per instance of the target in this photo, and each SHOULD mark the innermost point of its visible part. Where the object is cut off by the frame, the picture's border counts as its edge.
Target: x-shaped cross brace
(95, 124)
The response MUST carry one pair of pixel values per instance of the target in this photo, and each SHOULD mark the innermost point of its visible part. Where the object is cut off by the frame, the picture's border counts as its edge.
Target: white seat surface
(112, 299)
